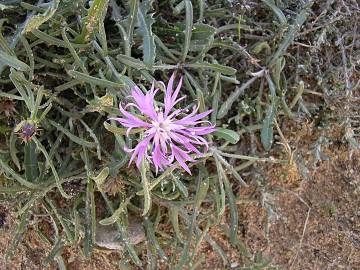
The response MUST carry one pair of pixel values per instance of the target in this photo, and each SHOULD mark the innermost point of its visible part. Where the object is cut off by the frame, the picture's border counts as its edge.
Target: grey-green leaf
(101, 177)
(12, 61)
(37, 20)
(227, 134)
(216, 67)
(276, 10)
(267, 127)
(145, 21)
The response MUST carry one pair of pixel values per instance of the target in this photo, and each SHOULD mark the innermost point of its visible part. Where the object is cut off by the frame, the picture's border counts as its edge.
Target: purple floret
(170, 134)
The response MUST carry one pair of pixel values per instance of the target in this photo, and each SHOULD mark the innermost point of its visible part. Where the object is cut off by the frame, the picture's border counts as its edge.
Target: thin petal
(140, 150)
(133, 120)
(170, 99)
(181, 156)
(190, 120)
(145, 103)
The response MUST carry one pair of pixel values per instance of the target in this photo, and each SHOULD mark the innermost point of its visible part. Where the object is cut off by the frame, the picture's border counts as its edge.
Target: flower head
(27, 132)
(170, 134)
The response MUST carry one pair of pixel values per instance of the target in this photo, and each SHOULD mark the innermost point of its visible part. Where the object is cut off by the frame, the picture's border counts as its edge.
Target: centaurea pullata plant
(169, 134)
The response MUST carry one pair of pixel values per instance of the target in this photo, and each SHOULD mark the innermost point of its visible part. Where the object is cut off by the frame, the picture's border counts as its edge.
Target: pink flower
(167, 137)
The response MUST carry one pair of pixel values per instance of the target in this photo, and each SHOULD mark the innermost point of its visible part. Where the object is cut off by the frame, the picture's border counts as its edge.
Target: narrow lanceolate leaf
(71, 136)
(55, 173)
(145, 22)
(277, 11)
(266, 134)
(101, 177)
(231, 198)
(216, 67)
(145, 185)
(227, 134)
(132, 62)
(267, 127)
(225, 107)
(116, 215)
(94, 80)
(55, 251)
(96, 15)
(188, 28)
(202, 192)
(3, 7)
(150, 233)
(12, 61)
(90, 219)
(134, 5)
(174, 218)
(202, 31)
(8, 170)
(38, 20)
(233, 210)
(30, 161)
(291, 33)
(121, 131)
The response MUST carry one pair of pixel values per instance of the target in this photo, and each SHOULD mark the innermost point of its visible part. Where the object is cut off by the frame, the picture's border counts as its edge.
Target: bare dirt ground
(315, 218)
(308, 219)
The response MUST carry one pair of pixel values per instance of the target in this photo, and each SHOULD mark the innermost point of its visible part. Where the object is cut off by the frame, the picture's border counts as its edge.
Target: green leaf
(132, 62)
(233, 210)
(188, 28)
(266, 134)
(123, 233)
(12, 61)
(100, 104)
(145, 185)
(116, 215)
(57, 215)
(101, 177)
(231, 199)
(90, 217)
(94, 80)
(216, 67)
(55, 173)
(35, 21)
(145, 21)
(96, 15)
(7, 169)
(71, 136)
(55, 251)
(134, 6)
(180, 185)
(202, 38)
(150, 233)
(3, 42)
(3, 7)
(174, 218)
(202, 192)
(13, 150)
(202, 31)
(22, 85)
(121, 131)
(291, 33)
(30, 161)
(262, 46)
(276, 10)
(267, 127)
(225, 107)
(227, 134)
